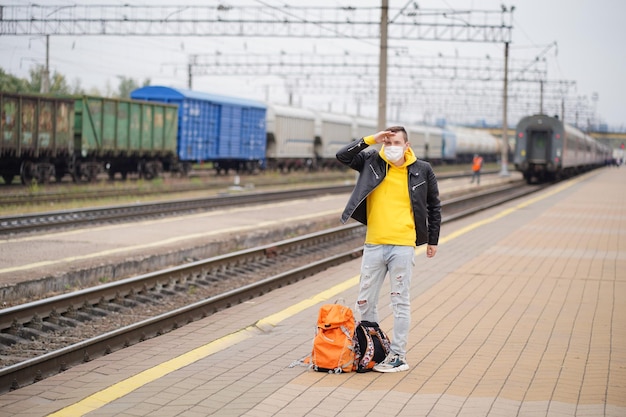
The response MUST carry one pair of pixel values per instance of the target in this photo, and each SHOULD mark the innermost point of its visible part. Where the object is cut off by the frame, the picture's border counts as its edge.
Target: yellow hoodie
(389, 211)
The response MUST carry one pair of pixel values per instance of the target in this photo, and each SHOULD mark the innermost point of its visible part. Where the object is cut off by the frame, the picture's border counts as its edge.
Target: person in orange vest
(477, 165)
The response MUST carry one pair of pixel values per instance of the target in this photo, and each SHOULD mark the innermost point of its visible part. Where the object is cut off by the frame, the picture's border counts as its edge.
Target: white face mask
(394, 153)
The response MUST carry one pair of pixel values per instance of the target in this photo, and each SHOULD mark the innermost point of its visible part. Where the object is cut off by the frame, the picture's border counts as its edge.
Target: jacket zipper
(417, 185)
(358, 145)
(374, 171)
(417, 174)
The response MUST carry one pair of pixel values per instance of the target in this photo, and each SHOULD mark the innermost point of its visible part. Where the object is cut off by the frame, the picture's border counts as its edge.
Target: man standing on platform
(397, 197)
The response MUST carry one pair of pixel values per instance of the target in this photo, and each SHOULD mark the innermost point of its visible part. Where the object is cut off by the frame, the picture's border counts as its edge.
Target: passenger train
(547, 149)
(163, 129)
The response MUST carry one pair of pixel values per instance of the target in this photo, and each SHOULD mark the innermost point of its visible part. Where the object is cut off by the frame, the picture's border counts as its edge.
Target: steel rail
(58, 193)
(54, 219)
(56, 196)
(455, 208)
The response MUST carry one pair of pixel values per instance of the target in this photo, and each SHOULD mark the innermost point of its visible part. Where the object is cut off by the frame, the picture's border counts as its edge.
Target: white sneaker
(392, 363)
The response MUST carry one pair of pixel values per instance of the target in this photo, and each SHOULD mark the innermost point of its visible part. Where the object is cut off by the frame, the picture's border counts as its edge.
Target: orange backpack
(333, 346)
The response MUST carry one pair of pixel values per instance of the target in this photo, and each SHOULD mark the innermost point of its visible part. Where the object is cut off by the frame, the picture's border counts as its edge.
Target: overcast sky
(581, 41)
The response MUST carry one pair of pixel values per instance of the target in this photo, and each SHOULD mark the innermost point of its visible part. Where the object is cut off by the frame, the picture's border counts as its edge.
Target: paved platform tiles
(520, 314)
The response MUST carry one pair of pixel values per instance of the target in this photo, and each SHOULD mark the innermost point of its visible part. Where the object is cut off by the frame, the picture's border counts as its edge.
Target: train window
(539, 139)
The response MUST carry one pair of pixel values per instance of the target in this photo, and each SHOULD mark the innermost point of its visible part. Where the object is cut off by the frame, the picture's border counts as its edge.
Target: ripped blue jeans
(377, 261)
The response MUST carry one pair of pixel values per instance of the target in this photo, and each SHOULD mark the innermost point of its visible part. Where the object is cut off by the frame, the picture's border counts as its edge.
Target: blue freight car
(228, 132)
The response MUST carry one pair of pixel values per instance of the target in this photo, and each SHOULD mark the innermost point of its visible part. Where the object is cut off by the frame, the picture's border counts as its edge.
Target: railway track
(18, 195)
(40, 319)
(43, 221)
(75, 217)
(253, 272)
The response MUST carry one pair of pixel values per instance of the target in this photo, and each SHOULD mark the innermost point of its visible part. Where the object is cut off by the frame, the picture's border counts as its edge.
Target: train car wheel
(44, 172)
(186, 169)
(73, 170)
(89, 171)
(27, 172)
(151, 169)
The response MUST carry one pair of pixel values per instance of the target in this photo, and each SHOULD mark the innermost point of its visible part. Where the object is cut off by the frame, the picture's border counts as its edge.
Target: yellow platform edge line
(122, 388)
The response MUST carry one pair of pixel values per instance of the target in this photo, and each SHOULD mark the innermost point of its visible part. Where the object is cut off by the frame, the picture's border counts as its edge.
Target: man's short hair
(399, 129)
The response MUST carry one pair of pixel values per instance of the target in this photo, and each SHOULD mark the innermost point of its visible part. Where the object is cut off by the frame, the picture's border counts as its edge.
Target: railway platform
(521, 313)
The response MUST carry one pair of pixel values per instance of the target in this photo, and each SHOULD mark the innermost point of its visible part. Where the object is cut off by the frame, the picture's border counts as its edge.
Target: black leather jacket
(422, 189)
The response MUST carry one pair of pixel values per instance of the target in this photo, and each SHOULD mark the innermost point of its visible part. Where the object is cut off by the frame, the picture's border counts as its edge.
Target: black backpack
(371, 345)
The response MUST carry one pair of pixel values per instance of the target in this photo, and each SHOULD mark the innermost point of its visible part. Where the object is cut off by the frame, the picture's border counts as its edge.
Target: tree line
(58, 84)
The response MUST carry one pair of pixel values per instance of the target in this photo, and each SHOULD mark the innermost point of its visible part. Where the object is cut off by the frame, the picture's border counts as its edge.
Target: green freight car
(45, 137)
(128, 135)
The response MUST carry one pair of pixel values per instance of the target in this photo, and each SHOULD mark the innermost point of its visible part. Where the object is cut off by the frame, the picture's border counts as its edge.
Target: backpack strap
(365, 354)
(384, 340)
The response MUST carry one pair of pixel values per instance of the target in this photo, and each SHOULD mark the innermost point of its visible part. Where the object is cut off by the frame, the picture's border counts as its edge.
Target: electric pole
(382, 67)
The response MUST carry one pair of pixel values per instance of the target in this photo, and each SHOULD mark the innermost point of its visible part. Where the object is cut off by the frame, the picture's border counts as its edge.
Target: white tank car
(427, 142)
(470, 141)
(290, 137)
(364, 126)
(332, 132)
